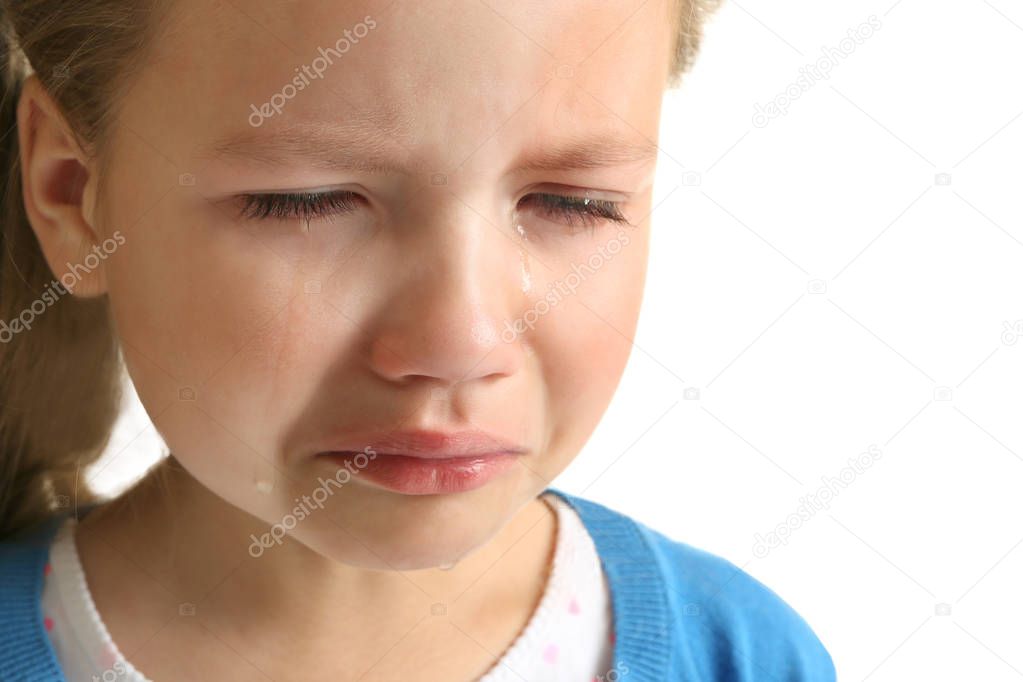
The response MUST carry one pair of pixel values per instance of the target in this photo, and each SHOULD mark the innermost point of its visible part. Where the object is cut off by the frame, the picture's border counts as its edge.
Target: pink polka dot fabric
(568, 637)
(79, 637)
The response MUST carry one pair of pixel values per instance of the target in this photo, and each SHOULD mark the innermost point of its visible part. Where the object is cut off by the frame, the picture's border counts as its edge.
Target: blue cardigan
(679, 613)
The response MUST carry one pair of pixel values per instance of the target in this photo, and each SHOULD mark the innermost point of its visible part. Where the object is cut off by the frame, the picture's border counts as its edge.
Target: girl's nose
(452, 294)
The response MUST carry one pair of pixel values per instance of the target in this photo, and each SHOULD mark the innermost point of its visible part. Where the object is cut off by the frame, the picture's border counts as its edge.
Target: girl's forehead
(448, 72)
(567, 29)
(444, 47)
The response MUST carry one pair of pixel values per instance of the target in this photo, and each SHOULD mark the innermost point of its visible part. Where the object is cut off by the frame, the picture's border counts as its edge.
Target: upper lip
(426, 444)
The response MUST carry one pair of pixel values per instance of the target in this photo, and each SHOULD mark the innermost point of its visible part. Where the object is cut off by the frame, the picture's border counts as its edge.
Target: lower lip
(421, 476)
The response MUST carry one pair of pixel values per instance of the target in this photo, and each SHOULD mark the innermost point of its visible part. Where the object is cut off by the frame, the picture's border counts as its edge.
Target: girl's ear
(57, 188)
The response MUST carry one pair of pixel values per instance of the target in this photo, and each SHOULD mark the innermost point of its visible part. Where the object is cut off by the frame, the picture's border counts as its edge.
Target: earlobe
(56, 189)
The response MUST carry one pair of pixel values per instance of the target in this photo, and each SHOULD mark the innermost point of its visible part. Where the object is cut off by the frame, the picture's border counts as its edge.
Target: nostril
(387, 361)
(443, 357)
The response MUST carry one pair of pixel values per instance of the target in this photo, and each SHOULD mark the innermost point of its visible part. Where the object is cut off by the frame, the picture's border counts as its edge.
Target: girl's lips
(426, 443)
(416, 475)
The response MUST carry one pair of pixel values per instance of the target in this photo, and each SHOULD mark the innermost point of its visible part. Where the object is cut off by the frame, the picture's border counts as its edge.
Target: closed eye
(304, 206)
(577, 212)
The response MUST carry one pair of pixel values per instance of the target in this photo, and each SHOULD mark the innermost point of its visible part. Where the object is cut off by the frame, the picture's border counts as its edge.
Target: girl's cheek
(584, 343)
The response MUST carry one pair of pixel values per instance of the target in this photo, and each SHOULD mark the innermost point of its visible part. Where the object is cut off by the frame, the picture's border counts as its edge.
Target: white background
(846, 276)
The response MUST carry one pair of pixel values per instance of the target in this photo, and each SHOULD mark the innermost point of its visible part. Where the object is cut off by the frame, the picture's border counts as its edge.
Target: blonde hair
(690, 18)
(60, 381)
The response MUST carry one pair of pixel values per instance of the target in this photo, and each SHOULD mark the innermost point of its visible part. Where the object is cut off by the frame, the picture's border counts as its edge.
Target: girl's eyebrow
(358, 145)
(583, 152)
(367, 148)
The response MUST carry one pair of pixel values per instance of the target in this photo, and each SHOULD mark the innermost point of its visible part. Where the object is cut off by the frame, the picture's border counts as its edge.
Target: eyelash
(304, 206)
(577, 212)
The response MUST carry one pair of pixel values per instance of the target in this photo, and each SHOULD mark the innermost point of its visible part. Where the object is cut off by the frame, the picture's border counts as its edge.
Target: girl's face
(476, 260)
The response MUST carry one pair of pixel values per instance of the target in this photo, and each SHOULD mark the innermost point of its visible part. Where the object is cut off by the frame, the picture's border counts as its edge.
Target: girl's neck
(168, 562)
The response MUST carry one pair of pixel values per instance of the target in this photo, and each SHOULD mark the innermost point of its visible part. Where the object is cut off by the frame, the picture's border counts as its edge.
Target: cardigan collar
(638, 594)
(26, 642)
